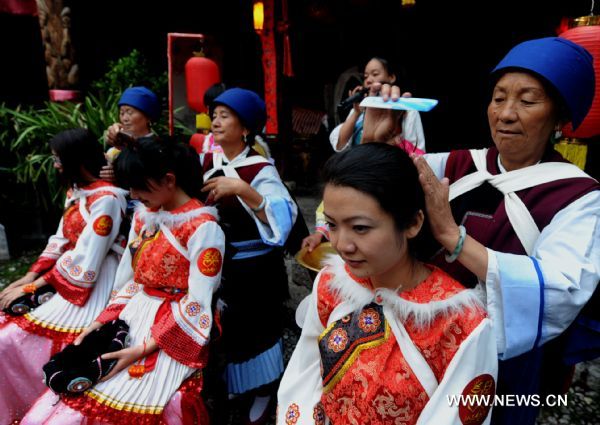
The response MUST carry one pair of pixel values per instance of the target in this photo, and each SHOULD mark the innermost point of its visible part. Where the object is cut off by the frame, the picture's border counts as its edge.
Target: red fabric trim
(193, 410)
(175, 342)
(58, 337)
(42, 265)
(66, 289)
(192, 407)
(110, 313)
(95, 410)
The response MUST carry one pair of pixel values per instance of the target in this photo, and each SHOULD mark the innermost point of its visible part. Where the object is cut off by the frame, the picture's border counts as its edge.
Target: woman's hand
(107, 173)
(312, 241)
(95, 325)
(111, 134)
(9, 295)
(355, 105)
(381, 125)
(128, 356)
(220, 187)
(28, 278)
(443, 227)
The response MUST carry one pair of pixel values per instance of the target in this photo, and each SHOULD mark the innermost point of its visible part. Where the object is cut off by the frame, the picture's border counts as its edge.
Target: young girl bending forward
(165, 285)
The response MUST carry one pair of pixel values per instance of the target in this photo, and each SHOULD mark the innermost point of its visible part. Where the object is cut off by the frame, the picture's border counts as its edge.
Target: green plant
(25, 130)
(33, 127)
(128, 71)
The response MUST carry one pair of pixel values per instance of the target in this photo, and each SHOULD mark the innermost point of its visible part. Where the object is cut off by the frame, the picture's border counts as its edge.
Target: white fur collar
(422, 315)
(168, 219)
(84, 193)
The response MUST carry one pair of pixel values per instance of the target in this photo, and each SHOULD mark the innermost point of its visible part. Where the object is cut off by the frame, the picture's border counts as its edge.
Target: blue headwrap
(143, 99)
(247, 105)
(567, 66)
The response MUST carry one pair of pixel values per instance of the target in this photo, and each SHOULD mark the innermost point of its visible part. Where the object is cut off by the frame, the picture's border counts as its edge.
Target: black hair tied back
(387, 174)
(151, 158)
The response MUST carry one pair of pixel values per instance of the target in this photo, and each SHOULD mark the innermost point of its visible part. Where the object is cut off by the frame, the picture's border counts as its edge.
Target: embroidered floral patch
(75, 270)
(369, 320)
(103, 225)
(204, 321)
(89, 276)
(338, 340)
(209, 262)
(319, 414)
(132, 288)
(66, 262)
(192, 309)
(292, 415)
(481, 386)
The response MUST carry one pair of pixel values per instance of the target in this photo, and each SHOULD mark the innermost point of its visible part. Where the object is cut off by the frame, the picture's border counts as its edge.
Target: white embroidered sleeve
(301, 386)
(568, 254)
(280, 208)
(77, 269)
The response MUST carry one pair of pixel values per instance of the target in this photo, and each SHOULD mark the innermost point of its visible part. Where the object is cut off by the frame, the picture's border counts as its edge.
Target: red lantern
(586, 33)
(200, 74)
(196, 141)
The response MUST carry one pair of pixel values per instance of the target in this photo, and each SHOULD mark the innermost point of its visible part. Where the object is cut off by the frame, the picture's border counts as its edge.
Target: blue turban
(247, 105)
(143, 99)
(567, 66)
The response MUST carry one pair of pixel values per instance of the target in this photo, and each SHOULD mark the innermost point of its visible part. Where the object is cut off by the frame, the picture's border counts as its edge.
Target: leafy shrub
(25, 130)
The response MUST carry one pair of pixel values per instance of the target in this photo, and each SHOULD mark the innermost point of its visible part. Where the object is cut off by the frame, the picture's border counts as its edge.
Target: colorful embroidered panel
(343, 341)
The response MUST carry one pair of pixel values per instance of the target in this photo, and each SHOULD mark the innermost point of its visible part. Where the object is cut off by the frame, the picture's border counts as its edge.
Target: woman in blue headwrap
(518, 219)
(257, 214)
(138, 109)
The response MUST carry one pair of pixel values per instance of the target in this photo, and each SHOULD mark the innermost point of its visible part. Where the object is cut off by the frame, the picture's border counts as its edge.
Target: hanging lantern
(408, 3)
(585, 31)
(563, 26)
(258, 13)
(200, 74)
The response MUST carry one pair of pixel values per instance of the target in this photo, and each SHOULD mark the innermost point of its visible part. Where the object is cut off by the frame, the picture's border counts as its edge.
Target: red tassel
(287, 51)
(287, 56)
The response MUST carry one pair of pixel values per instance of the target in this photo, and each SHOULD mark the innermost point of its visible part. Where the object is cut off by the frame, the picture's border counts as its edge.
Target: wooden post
(55, 23)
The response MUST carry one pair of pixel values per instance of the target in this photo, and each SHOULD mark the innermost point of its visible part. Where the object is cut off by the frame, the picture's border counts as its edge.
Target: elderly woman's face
(134, 121)
(226, 126)
(522, 117)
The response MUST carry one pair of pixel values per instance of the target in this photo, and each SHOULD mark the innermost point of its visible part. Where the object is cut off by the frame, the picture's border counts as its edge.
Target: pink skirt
(181, 410)
(21, 378)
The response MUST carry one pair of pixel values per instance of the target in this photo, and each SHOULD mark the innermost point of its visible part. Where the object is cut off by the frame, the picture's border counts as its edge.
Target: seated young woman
(385, 337)
(79, 261)
(165, 285)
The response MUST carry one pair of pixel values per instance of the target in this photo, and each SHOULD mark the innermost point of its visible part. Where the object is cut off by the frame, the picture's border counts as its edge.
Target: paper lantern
(196, 141)
(586, 33)
(200, 74)
(258, 14)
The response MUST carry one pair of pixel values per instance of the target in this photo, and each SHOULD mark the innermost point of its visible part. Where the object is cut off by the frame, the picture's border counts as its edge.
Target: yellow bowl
(312, 260)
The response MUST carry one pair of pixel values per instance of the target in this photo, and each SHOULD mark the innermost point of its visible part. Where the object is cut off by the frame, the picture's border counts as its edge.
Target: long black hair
(77, 148)
(387, 174)
(151, 158)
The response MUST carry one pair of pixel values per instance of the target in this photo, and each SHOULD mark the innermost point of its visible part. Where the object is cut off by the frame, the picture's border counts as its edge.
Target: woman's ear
(414, 229)
(392, 78)
(170, 180)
